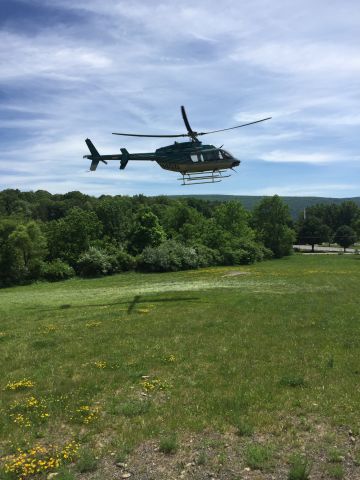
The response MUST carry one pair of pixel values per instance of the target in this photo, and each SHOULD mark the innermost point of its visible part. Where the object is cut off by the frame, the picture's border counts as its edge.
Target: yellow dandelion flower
(20, 384)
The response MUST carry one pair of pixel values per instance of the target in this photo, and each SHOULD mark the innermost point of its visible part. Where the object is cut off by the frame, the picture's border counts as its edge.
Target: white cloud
(303, 59)
(48, 54)
(288, 156)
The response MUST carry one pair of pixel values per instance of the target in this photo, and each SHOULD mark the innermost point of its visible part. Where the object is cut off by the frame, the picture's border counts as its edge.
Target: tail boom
(124, 156)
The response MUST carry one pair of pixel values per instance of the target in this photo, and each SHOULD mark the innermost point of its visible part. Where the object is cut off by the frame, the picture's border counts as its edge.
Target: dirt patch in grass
(228, 456)
(235, 273)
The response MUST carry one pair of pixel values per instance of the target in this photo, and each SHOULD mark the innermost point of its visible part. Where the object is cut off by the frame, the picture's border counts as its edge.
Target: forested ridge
(296, 204)
(54, 237)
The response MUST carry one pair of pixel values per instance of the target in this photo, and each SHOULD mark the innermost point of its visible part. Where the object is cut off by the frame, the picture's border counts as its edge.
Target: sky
(75, 70)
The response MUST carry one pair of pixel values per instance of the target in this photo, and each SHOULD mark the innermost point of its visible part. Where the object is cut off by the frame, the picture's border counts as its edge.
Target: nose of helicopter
(235, 163)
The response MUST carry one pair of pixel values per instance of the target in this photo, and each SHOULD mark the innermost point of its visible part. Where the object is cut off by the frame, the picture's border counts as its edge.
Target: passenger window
(194, 158)
(220, 155)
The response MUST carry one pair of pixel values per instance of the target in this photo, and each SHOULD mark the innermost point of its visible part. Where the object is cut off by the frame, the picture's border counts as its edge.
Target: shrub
(206, 256)
(121, 261)
(244, 253)
(94, 263)
(170, 256)
(56, 270)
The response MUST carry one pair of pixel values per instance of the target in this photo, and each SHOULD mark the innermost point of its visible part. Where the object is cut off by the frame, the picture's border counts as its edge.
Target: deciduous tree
(271, 219)
(345, 236)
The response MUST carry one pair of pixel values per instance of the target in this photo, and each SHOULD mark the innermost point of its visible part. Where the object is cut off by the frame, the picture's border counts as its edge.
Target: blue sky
(72, 70)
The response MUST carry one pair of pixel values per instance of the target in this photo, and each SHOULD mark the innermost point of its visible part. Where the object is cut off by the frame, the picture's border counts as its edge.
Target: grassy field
(247, 372)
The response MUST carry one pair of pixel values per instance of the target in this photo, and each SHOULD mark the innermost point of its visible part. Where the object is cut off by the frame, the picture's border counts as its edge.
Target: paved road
(321, 248)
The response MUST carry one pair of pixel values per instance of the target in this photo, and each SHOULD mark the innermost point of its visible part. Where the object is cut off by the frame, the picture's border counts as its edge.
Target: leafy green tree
(271, 219)
(348, 213)
(30, 243)
(116, 216)
(22, 249)
(312, 231)
(335, 215)
(205, 207)
(232, 240)
(328, 214)
(182, 222)
(213, 235)
(147, 232)
(11, 266)
(356, 227)
(13, 203)
(233, 218)
(72, 235)
(46, 209)
(345, 236)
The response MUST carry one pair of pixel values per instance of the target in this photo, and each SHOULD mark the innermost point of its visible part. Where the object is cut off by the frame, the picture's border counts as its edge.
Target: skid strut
(210, 176)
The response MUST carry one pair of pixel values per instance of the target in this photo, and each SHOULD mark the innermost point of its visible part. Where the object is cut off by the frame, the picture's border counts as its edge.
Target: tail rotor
(95, 156)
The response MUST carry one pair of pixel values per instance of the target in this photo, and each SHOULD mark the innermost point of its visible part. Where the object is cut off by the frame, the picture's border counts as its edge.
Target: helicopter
(195, 161)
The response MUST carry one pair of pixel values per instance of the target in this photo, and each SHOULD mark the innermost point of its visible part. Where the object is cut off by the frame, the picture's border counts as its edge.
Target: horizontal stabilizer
(125, 158)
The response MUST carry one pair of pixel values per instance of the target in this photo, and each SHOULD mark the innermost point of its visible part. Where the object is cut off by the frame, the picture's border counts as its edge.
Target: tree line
(330, 223)
(54, 237)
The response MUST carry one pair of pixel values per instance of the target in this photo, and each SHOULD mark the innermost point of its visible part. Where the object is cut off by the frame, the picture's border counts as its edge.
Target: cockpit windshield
(226, 154)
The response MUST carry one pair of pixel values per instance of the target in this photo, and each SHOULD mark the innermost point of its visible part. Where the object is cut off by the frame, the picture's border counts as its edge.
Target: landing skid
(196, 178)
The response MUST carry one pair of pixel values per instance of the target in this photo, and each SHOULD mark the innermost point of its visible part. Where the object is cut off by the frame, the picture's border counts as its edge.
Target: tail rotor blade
(92, 148)
(95, 156)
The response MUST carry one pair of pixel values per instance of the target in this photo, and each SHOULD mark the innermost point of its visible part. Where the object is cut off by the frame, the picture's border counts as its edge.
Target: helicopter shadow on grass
(132, 304)
(138, 299)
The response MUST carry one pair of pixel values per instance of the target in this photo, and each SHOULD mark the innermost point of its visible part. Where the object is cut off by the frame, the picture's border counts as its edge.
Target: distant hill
(295, 204)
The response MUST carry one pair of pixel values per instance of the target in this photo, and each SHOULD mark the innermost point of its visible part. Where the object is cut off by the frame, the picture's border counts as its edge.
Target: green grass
(168, 444)
(300, 468)
(335, 471)
(244, 428)
(259, 457)
(335, 456)
(135, 357)
(87, 461)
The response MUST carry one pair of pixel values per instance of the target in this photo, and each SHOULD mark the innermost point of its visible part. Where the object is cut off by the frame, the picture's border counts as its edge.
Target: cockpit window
(226, 154)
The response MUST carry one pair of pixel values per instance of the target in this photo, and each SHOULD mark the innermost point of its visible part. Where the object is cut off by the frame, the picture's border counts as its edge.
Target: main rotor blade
(153, 136)
(187, 124)
(232, 128)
